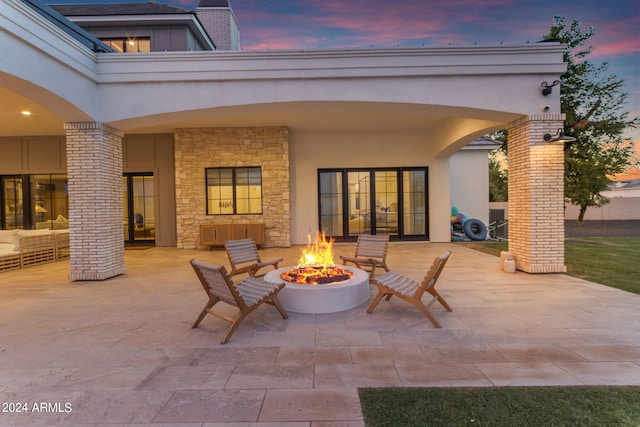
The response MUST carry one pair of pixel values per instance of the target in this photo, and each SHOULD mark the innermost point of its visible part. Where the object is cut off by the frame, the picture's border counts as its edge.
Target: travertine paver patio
(122, 352)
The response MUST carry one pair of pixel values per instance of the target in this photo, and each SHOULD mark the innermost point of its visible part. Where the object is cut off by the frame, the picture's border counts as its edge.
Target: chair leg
(426, 313)
(276, 301)
(234, 324)
(212, 301)
(376, 300)
(439, 298)
(372, 272)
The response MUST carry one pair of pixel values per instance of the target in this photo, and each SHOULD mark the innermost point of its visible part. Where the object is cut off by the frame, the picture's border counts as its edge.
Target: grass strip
(611, 261)
(501, 406)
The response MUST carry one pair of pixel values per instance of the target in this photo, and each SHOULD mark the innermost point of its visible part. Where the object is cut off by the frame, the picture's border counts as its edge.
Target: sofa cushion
(8, 236)
(6, 249)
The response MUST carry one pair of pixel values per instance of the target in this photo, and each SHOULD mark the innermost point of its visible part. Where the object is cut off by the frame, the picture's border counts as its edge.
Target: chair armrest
(259, 265)
(275, 263)
(244, 269)
(357, 261)
(346, 259)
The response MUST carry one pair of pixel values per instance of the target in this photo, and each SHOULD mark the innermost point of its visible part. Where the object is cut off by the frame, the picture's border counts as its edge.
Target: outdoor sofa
(24, 248)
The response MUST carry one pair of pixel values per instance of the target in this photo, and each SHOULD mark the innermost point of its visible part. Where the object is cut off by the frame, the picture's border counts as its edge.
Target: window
(234, 191)
(139, 44)
(34, 201)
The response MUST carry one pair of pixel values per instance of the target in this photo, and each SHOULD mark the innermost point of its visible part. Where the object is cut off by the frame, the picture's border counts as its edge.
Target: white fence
(620, 208)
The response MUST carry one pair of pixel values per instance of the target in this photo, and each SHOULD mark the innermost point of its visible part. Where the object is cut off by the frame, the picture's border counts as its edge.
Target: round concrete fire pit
(317, 299)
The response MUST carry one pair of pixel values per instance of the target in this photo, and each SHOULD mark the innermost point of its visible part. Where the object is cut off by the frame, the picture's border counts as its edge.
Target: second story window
(125, 44)
(234, 191)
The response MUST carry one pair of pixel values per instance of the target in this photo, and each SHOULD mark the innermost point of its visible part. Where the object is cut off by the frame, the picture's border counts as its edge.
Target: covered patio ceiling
(298, 116)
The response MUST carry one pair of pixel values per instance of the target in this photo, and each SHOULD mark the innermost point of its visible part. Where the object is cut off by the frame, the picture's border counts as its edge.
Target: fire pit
(329, 298)
(316, 285)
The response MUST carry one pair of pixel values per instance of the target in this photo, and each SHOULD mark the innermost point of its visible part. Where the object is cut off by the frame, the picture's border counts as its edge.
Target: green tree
(498, 186)
(498, 174)
(593, 101)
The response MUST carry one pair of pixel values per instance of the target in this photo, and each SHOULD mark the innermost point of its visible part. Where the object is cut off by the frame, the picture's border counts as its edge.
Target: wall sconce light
(558, 137)
(548, 88)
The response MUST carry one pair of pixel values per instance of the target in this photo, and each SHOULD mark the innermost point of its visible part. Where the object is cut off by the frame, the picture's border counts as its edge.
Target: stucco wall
(470, 183)
(200, 148)
(311, 151)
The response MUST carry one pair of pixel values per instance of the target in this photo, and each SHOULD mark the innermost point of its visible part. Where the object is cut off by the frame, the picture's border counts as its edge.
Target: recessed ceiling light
(26, 112)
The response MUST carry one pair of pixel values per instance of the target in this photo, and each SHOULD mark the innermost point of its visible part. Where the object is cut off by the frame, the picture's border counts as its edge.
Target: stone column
(536, 194)
(94, 169)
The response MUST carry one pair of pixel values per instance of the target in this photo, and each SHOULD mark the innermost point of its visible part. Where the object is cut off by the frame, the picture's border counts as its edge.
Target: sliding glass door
(389, 201)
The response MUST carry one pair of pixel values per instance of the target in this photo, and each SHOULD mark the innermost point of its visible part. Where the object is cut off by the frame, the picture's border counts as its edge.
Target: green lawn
(501, 406)
(609, 261)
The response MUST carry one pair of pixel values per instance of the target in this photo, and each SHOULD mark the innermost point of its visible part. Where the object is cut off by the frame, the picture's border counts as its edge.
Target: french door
(138, 197)
(389, 201)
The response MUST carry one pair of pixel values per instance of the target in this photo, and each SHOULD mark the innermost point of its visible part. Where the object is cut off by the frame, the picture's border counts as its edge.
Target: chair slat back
(434, 272)
(241, 251)
(214, 279)
(372, 246)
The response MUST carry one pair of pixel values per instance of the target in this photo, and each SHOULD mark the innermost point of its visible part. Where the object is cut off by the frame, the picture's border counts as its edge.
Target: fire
(319, 253)
(316, 265)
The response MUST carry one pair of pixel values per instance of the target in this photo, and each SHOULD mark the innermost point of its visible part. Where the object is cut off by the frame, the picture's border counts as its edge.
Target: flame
(318, 254)
(316, 264)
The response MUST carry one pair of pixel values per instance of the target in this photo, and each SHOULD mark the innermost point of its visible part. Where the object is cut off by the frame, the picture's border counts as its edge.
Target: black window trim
(233, 186)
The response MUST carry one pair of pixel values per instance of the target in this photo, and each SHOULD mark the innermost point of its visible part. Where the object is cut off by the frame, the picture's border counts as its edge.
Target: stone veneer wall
(536, 194)
(94, 170)
(197, 149)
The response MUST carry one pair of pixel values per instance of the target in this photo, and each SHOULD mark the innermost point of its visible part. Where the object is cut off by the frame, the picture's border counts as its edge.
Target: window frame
(126, 42)
(234, 186)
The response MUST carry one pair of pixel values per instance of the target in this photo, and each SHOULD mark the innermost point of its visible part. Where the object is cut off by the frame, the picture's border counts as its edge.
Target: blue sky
(336, 24)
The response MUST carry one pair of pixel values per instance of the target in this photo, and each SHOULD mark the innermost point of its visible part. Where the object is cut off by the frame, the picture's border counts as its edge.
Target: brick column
(94, 169)
(536, 194)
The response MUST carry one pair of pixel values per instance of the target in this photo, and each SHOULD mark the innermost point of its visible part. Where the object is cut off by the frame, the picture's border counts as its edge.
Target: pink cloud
(362, 23)
(619, 47)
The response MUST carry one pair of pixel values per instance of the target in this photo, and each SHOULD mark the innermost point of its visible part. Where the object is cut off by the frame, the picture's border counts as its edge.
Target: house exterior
(346, 141)
(157, 27)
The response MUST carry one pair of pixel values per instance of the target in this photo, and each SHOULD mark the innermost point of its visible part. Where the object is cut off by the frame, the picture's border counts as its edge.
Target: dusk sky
(339, 24)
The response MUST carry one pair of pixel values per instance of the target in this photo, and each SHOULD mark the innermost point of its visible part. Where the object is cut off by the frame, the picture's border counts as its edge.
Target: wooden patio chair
(371, 252)
(244, 257)
(246, 295)
(395, 284)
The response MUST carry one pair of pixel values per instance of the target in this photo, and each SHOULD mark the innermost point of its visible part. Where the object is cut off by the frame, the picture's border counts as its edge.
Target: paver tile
(332, 404)
(527, 374)
(441, 375)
